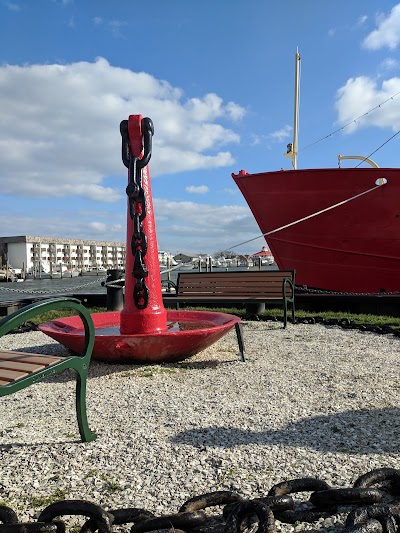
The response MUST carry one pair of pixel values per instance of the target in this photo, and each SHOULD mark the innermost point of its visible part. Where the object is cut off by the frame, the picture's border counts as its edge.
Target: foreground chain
(372, 505)
(53, 291)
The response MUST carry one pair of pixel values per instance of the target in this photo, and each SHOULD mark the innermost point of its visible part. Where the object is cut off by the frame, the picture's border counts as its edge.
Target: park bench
(243, 287)
(19, 369)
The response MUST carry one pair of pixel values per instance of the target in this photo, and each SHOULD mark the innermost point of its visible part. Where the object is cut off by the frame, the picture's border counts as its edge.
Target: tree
(228, 254)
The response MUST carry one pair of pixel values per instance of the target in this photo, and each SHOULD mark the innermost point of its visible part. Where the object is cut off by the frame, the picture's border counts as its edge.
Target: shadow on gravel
(362, 431)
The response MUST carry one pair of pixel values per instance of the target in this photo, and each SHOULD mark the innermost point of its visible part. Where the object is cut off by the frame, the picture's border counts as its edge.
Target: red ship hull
(354, 247)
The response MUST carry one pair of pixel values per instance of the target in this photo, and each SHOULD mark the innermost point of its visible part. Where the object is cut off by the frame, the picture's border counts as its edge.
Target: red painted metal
(152, 319)
(352, 248)
(150, 335)
(166, 346)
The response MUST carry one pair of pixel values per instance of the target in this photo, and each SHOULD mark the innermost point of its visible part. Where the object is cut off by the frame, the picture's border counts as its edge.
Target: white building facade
(27, 252)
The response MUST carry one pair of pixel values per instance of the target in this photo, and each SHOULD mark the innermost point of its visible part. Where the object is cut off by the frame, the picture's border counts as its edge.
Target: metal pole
(296, 112)
(168, 268)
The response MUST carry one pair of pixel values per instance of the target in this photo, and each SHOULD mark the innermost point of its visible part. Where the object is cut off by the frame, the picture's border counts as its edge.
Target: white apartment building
(27, 252)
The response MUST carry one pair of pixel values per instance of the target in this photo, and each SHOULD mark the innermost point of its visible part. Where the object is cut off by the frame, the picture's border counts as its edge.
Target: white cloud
(115, 27)
(348, 27)
(362, 94)
(235, 111)
(12, 6)
(361, 21)
(60, 127)
(255, 139)
(98, 226)
(204, 227)
(281, 135)
(274, 137)
(387, 33)
(211, 107)
(201, 189)
(387, 65)
(192, 160)
(181, 226)
(60, 223)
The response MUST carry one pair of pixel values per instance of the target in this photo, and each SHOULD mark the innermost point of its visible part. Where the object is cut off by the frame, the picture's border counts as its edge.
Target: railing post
(115, 296)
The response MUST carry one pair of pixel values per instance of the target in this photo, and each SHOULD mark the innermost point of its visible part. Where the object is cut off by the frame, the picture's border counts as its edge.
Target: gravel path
(310, 401)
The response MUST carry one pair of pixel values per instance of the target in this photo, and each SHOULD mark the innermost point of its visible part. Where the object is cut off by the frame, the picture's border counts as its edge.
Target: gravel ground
(310, 401)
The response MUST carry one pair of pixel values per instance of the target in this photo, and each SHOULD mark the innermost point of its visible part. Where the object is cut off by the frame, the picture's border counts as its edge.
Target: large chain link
(371, 505)
(137, 207)
(304, 288)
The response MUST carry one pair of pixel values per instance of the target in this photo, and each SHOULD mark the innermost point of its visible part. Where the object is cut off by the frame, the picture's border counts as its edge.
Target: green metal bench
(19, 370)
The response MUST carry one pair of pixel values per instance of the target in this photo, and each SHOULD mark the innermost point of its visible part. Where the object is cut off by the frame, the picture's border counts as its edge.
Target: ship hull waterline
(354, 247)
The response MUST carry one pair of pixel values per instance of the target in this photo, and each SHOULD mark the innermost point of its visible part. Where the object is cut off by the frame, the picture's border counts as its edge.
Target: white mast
(293, 147)
(296, 110)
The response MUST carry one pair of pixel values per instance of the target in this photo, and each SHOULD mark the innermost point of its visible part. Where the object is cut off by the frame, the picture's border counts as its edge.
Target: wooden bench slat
(16, 365)
(231, 290)
(11, 375)
(24, 367)
(27, 357)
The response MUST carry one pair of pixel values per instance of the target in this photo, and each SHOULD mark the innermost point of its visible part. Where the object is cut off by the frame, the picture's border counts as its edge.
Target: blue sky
(215, 76)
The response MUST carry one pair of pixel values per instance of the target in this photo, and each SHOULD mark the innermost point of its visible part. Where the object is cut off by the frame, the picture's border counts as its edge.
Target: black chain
(137, 207)
(371, 505)
(304, 288)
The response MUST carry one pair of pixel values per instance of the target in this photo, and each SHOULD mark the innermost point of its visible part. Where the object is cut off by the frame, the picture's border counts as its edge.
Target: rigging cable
(308, 217)
(349, 123)
(379, 147)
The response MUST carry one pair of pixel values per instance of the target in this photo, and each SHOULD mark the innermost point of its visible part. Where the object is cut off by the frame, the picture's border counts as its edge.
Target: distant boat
(339, 228)
(94, 271)
(7, 274)
(40, 270)
(185, 266)
(63, 271)
(166, 259)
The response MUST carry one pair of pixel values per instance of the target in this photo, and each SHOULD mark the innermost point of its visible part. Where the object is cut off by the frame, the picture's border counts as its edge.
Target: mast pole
(296, 111)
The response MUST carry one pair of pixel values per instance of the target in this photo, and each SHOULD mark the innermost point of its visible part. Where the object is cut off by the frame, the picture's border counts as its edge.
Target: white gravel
(310, 401)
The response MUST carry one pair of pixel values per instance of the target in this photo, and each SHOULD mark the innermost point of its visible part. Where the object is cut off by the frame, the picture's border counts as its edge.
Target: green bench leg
(285, 315)
(239, 334)
(80, 399)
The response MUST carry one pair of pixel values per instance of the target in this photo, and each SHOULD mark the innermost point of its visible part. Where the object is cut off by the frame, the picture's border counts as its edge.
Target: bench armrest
(285, 282)
(25, 313)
